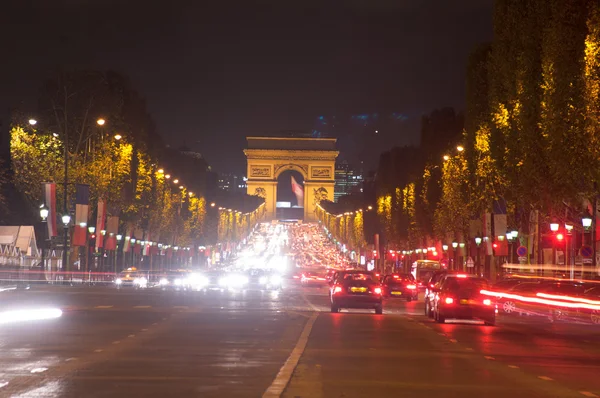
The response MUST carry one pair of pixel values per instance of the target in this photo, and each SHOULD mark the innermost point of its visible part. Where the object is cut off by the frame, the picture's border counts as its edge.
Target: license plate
(397, 293)
(358, 289)
(463, 301)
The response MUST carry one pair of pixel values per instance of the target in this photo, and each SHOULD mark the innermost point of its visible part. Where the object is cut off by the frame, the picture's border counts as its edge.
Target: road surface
(154, 343)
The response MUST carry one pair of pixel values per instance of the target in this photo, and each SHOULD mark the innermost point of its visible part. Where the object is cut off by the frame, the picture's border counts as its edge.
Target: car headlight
(178, 282)
(276, 280)
(140, 281)
(263, 280)
(118, 281)
(163, 281)
(223, 282)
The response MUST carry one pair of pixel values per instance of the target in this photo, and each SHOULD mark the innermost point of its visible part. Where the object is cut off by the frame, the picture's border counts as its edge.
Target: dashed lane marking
(311, 305)
(103, 307)
(142, 306)
(545, 378)
(490, 358)
(98, 350)
(453, 341)
(144, 330)
(469, 349)
(285, 373)
(70, 359)
(588, 394)
(131, 335)
(513, 366)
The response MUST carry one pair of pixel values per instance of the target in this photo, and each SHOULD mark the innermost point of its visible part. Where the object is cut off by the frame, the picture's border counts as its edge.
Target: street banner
(50, 201)
(82, 212)
(100, 219)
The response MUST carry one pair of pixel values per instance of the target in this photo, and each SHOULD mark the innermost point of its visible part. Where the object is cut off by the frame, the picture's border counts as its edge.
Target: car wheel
(379, 309)
(334, 309)
(595, 317)
(439, 318)
(509, 307)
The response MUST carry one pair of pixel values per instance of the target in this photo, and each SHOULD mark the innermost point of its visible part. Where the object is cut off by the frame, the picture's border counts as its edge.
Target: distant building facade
(232, 182)
(347, 180)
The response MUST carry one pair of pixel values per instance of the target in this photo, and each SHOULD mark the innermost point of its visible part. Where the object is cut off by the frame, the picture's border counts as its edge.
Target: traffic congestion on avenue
(290, 314)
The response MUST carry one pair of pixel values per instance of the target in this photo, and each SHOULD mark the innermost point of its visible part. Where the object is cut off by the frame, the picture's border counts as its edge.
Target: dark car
(432, 284)
(356, 289)
(400, 286)
(459, 297)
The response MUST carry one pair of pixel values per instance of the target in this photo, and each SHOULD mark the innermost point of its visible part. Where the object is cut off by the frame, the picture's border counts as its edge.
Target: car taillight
(411, 287)
(487, 302)
(337, 289)
(449, 300)
(396, 276)
(377, 290)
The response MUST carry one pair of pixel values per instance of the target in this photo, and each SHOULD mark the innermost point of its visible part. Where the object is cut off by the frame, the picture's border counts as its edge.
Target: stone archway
(314, 158)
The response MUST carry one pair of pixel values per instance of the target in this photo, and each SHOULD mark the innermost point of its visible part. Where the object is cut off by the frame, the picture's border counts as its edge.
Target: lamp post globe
(66, 219)
(44, 212)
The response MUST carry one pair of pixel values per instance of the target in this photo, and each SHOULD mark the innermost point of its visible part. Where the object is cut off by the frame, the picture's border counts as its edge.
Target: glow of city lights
(161, 171)
(446, 157)
(167, 176)
(175, 181)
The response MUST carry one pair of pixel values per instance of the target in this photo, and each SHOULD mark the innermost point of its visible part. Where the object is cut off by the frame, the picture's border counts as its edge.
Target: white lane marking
(38, 370)
(142, 306)
(155, 323)
(131, 335)
(98, 350)
(181, 307)
(285, 373)
(70, 359)
(307, 301)
(588, 394)
(469, 349)
(103, 307)
(545, 378)
(116, 342)
(490, 358)
(453, 341)
(442, 334)
(513, 366)
(3, 384)
(144, 330)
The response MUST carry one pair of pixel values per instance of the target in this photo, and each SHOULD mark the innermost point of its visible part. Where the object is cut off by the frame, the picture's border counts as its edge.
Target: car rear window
(359, 277)
(456, 284)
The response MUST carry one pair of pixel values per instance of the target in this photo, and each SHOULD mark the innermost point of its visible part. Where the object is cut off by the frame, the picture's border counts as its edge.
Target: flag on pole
(298, 191)
(50, 201)
(127, 242)
(112, 228)
(100, 223)
(147, 245)
(82, 208)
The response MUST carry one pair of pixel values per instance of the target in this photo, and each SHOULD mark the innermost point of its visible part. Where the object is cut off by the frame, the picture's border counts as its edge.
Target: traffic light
(560, 237)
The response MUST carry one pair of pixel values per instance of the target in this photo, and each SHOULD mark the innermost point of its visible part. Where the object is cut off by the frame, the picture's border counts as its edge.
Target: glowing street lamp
(212, 204)
(586, 221)
(175, 181)
(91, 230)
(161, 171)
(100, 122)
(554, 226)
(118, 137)
(478, 240)
(44, 212)
(32, 122)
(460, 148)
(446, 157)
(66, 219)
(454, 245)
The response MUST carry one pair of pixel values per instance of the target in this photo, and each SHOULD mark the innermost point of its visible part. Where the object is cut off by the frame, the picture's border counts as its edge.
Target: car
(459, 297)
(400, 286)
(131, 278)
(264, 279)
(174, 280)
(356, 289)
(432, 284)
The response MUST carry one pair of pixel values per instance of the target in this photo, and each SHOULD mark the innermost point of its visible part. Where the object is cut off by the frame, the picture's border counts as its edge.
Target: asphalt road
(153, 343)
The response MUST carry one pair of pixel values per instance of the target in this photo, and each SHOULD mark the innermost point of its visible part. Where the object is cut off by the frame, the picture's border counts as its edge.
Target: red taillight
(337, 289)
(461, 275)
(449, 300)
(487, 302)
(377, 274)
(377, 290)
(411, 287)
(396, 276)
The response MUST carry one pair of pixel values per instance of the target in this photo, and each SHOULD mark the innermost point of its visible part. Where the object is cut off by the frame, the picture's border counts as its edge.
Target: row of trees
(346, 227)
(102, 126)
(527, 144)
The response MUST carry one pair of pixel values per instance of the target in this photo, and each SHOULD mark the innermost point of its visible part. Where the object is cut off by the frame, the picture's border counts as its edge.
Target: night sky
(214, 73)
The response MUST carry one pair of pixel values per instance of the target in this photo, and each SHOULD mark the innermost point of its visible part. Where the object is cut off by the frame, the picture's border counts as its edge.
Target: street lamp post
(454, 246)
(66, 219)
(119, 238)
(478, 243)
(44, 216)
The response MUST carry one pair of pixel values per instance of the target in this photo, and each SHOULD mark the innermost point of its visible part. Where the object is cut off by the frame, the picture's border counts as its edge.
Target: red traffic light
(560, 236)
(93, 236)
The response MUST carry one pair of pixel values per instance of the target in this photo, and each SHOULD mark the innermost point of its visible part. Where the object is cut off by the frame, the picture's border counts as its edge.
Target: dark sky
(215, 72)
